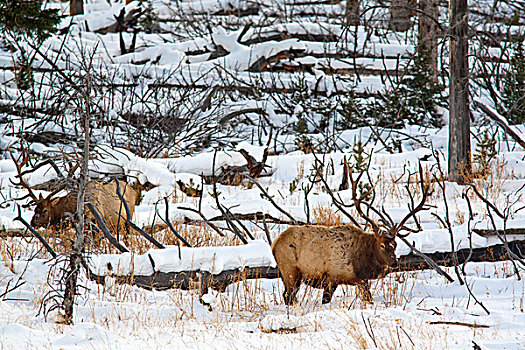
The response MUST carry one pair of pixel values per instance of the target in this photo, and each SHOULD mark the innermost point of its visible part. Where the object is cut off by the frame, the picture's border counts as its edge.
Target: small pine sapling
(361, 165)
(415, 100)
(485, 153)
(514, 87)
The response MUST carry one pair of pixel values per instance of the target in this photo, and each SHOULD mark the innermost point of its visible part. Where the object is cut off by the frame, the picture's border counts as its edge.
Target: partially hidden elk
(54, 212)
(329, 256)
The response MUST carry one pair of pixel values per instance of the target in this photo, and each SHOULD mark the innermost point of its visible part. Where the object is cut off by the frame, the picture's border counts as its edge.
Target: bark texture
(459, 163)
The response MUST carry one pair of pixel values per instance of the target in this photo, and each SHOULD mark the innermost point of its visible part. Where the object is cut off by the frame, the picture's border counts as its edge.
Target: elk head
(45, 206)
(44, 213)
(385, 249)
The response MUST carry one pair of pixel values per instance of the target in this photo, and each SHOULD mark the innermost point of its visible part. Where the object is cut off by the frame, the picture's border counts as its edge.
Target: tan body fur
(328, 257)
(52, 211)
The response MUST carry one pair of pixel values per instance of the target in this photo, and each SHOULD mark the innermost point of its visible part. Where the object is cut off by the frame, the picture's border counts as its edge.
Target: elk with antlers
(55, 211)
(329, 256)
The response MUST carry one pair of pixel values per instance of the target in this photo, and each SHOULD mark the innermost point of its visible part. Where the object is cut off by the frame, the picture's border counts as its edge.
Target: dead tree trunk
(400, 13)
(75, 257)
(459, 163)
(428, 33)
(352, 12)
(76, 7)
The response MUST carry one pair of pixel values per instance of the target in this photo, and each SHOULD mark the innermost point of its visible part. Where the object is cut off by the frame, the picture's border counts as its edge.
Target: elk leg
(292, 281)
(328, 292)
(364, 292)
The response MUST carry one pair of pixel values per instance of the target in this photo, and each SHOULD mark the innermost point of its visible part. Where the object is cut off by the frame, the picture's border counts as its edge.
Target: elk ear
(40, 197)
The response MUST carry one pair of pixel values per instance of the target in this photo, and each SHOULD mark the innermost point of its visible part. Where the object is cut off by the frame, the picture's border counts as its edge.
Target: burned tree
(352, 12)
(459, 153)
(428, 33)
(401, 12)
(76, 7)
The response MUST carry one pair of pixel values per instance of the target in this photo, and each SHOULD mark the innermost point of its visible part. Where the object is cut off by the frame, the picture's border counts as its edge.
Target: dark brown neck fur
(61, 206)
(367, 266)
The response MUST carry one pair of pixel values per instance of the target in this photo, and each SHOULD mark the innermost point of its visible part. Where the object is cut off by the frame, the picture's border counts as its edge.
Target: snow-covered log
(218, 267)
(179, 267)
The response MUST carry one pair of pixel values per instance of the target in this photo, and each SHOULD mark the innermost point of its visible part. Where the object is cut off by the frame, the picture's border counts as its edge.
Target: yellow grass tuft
(326, 216)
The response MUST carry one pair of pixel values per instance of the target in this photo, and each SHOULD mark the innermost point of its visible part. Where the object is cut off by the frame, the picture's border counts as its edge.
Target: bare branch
(104, 228)
(34, 232)
(130, 223)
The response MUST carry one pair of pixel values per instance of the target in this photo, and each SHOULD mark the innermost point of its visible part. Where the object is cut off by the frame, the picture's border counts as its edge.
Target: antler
(393, 229)
(25, 159)
(357, 201)
(425, 191)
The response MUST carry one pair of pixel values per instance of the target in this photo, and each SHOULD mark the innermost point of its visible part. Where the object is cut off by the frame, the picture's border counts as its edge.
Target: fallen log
(14, 232)
(500, 120)
(508, 231)
(191, 279)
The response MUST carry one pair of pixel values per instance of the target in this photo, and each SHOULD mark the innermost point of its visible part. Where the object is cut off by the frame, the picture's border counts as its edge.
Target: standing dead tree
(75, 257)
(400, 13)
(352, 12)
(459, 153)
(428, 32)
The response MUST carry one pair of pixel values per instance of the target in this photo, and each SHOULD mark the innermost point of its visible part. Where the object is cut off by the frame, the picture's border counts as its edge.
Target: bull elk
(54, 211)
(329, 256)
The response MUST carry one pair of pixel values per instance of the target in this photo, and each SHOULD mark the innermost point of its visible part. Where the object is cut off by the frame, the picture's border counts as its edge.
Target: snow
(251, 315)
(409, 310)
(209, 259)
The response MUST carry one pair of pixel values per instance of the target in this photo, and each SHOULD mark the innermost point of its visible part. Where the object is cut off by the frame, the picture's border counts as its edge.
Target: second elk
(54, 212)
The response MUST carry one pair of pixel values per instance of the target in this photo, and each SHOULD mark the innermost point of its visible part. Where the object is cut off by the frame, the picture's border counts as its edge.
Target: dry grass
(394, 289)
(326, 216)
(356, 333)
(197, 234)
(246, 298)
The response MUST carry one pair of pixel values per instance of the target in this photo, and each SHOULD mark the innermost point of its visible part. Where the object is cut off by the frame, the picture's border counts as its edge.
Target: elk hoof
(327, 299)
(288, 298)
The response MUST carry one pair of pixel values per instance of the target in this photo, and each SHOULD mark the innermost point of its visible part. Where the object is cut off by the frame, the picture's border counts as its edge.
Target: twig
(131, 224)
(370, 332)
(103, 227)
(501, 122)
(204, 219)
(456, 323)
(19, 283)
(231, 215)
(446, 222)
(266, 230)
(221, 209)
(34, 232)
(168, 222)
(337, 202)
(265, 193)
(502, 237)
(427, 259)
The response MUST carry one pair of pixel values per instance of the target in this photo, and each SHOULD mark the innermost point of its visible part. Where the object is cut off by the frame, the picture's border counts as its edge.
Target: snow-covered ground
(412, 310)
(252, 314)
